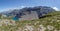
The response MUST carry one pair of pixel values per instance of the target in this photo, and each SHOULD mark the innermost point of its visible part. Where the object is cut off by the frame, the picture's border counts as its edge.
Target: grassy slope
(52, 19)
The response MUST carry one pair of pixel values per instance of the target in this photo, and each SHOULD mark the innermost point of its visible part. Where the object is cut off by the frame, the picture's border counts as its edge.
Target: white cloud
(22, 6)
(7, 9)
(55, 8)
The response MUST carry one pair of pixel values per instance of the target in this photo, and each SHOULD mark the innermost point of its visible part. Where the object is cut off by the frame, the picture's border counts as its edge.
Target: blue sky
(11, 4)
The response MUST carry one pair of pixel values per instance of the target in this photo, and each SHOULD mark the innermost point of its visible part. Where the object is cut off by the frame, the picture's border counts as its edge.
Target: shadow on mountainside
(45, 16)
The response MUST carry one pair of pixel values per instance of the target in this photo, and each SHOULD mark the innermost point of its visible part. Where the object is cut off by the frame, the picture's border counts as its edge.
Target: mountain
(39, 9)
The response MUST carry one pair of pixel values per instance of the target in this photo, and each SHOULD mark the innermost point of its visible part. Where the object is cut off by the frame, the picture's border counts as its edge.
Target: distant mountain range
(39, 9)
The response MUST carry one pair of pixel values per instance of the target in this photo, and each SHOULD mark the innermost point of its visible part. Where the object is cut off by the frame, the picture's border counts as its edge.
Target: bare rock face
(29, 13)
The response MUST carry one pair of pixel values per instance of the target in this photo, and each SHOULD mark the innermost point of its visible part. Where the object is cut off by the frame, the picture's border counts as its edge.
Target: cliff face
(31, 16)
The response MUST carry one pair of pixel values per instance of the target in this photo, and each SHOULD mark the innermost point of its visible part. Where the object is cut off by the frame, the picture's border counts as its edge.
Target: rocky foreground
(50, 23)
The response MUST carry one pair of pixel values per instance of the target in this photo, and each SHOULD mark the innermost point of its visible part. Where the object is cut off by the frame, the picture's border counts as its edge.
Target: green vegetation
(51, 19)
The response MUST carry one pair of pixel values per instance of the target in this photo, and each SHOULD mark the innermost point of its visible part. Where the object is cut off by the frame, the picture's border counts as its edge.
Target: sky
(16, 4)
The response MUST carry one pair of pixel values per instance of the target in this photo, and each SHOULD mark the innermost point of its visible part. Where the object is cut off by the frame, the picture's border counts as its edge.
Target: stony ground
(51, 23)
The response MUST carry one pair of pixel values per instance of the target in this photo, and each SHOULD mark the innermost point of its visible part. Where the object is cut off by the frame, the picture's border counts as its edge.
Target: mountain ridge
(17, 11)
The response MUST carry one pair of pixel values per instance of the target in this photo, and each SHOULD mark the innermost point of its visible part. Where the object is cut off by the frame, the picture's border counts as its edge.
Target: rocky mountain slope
(51, 22)
(39, 9)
